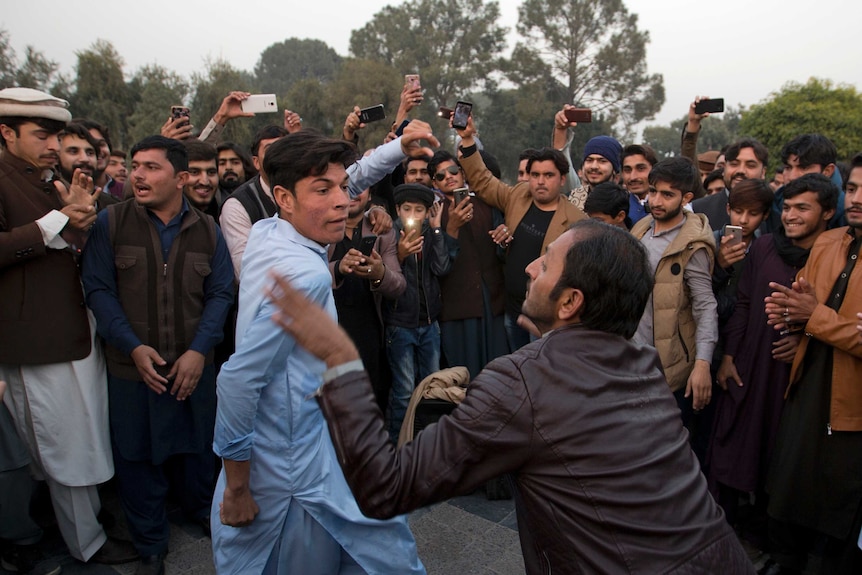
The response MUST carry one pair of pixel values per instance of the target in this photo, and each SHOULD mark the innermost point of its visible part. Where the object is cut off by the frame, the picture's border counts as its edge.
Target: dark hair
(118, 154)
(712, 176)
(424, 157)
(490, 161)
(856, 161)
(680, 172)
(174, 150)
(247, 164)
(751, 193)
(608, 198)
(810, 150)
(94, 125)
(200, 151)
(610, 267)
(639, 150)
(15, 122)
(77, 129)
(550, 154)
(760, 151)
(266, 133)
(827, 192)
(303, 154)
(529, 154)
(438, 158)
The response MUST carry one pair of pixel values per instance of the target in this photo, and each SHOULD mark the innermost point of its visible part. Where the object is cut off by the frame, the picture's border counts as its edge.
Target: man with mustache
(601, 164)
(637, 161)
(813, 481)
(234, 167)
(201, 188)
(48, 353)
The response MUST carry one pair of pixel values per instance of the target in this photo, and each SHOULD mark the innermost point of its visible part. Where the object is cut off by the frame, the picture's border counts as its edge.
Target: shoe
(115, 552)
(152, 565)
(25, 559)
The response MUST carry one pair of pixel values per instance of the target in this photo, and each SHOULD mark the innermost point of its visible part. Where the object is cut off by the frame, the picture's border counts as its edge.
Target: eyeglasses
(453, 169)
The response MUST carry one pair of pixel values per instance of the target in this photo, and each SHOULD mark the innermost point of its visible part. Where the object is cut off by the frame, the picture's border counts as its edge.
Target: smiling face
(202, 183)
(597, 169)
(317, 207)
(744, 166)
(76, 153)
(803, 218)
(636, 175)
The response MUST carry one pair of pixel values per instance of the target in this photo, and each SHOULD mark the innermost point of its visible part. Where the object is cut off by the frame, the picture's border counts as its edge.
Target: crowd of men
(660, 351)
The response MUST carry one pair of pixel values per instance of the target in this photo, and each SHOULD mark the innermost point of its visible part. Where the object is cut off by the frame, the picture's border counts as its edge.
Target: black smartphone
(366, 245)
(712, 106)
(460, 194)
(445, 112)
(180, 112)
(461, 115)
(399, 131)
(372, 114)
(579, 115)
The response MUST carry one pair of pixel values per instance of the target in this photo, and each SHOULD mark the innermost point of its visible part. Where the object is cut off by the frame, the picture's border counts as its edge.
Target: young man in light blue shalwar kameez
(282, 504)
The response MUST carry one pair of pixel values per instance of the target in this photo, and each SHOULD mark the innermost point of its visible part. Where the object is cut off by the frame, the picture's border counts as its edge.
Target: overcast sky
(741, 50)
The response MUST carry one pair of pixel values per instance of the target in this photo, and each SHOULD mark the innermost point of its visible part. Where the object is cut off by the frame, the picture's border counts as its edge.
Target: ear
(570, 304)
(829, 170)
(255, 160)
(827, 215)
(7, 132)
(727, 207)
(182, 179)
(687, 198)
(285, 201)
(620, 217)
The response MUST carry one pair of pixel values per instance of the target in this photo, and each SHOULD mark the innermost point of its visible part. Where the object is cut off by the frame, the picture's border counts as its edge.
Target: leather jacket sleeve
(490, 433)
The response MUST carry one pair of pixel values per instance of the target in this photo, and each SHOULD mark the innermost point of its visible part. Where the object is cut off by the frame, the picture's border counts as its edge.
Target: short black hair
(15, 122)
(680, 172)
(266, 133)
(608, 198)
(438, 158)
(760, 151)
(527, 154)
(810, 150)
(827, 192)
(490, 161)
(242, 154)
(712, 176)
(550, 154)
(639, 150)
(174, 150)
(199, 151)
(751, 193)
(610, 267)
(94, 125)
(78, 129)
(302, 154)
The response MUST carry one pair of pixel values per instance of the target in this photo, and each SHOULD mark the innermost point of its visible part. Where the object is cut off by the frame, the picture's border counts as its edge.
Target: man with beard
(814, 476)
(605, 481)
(680, 319)
(234, 167)
(78, 151)
(359, 285)
(755, 361)
(533, 212)
(100, 134)
(637, 161)
(601, 164)
(201, 187)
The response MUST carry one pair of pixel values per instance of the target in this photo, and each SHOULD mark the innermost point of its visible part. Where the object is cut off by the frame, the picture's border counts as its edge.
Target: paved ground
(465, 535)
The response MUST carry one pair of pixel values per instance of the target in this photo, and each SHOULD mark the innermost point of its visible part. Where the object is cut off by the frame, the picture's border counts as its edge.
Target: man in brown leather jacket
(583, 420)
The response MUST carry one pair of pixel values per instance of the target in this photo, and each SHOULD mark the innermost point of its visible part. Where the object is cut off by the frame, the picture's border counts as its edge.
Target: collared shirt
(699, 282)
(100, 282)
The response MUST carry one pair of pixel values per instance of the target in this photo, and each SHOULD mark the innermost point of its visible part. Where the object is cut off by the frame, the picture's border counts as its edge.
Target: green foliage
(210, 89)
(36, 71)
(155, 89)
(817, 106)
(101, 93)
(285, 63)
(716, 132)
(596, 48)
(8, 67)
(453, 44)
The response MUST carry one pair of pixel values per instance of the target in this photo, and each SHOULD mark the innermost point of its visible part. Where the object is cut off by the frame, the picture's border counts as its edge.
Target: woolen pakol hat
(30, 103)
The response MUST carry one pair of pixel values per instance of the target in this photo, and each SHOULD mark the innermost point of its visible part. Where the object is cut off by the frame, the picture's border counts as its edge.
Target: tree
(596, 48)
(156, 90)
(452, 44)
(8, 67)
(716, 132)
(211, 88)
(101, 93)
(37, 71)
(817, 106)
(283, 64)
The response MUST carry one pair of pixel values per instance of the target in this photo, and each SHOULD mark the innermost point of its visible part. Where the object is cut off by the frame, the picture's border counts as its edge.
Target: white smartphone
(260, 104)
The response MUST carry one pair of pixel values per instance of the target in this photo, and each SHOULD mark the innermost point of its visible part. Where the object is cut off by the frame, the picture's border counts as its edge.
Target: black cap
(414, 193)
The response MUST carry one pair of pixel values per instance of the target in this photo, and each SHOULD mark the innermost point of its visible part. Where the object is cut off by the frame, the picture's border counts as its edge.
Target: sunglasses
(453, 169)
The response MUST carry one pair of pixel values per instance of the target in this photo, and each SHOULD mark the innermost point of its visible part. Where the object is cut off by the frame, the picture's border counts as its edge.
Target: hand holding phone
(366, 244)
(579, 115)
(711, 106)
(260, 104)
(445, 112)
(411, 240)
(372, 114)
(462, 113)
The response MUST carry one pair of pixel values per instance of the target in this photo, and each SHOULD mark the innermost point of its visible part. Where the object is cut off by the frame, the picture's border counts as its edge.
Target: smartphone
(735, 232)
(579, 115)
(445, 112)
(366, 244)
(399, 131)
(411, 225)
(372, 114)
(461, 194)
(180, 112)
(461, 115)
(411, 80)
(712, 106)
(260, 104)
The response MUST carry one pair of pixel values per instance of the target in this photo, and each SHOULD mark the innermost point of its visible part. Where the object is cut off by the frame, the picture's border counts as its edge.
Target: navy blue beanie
(606, 147)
